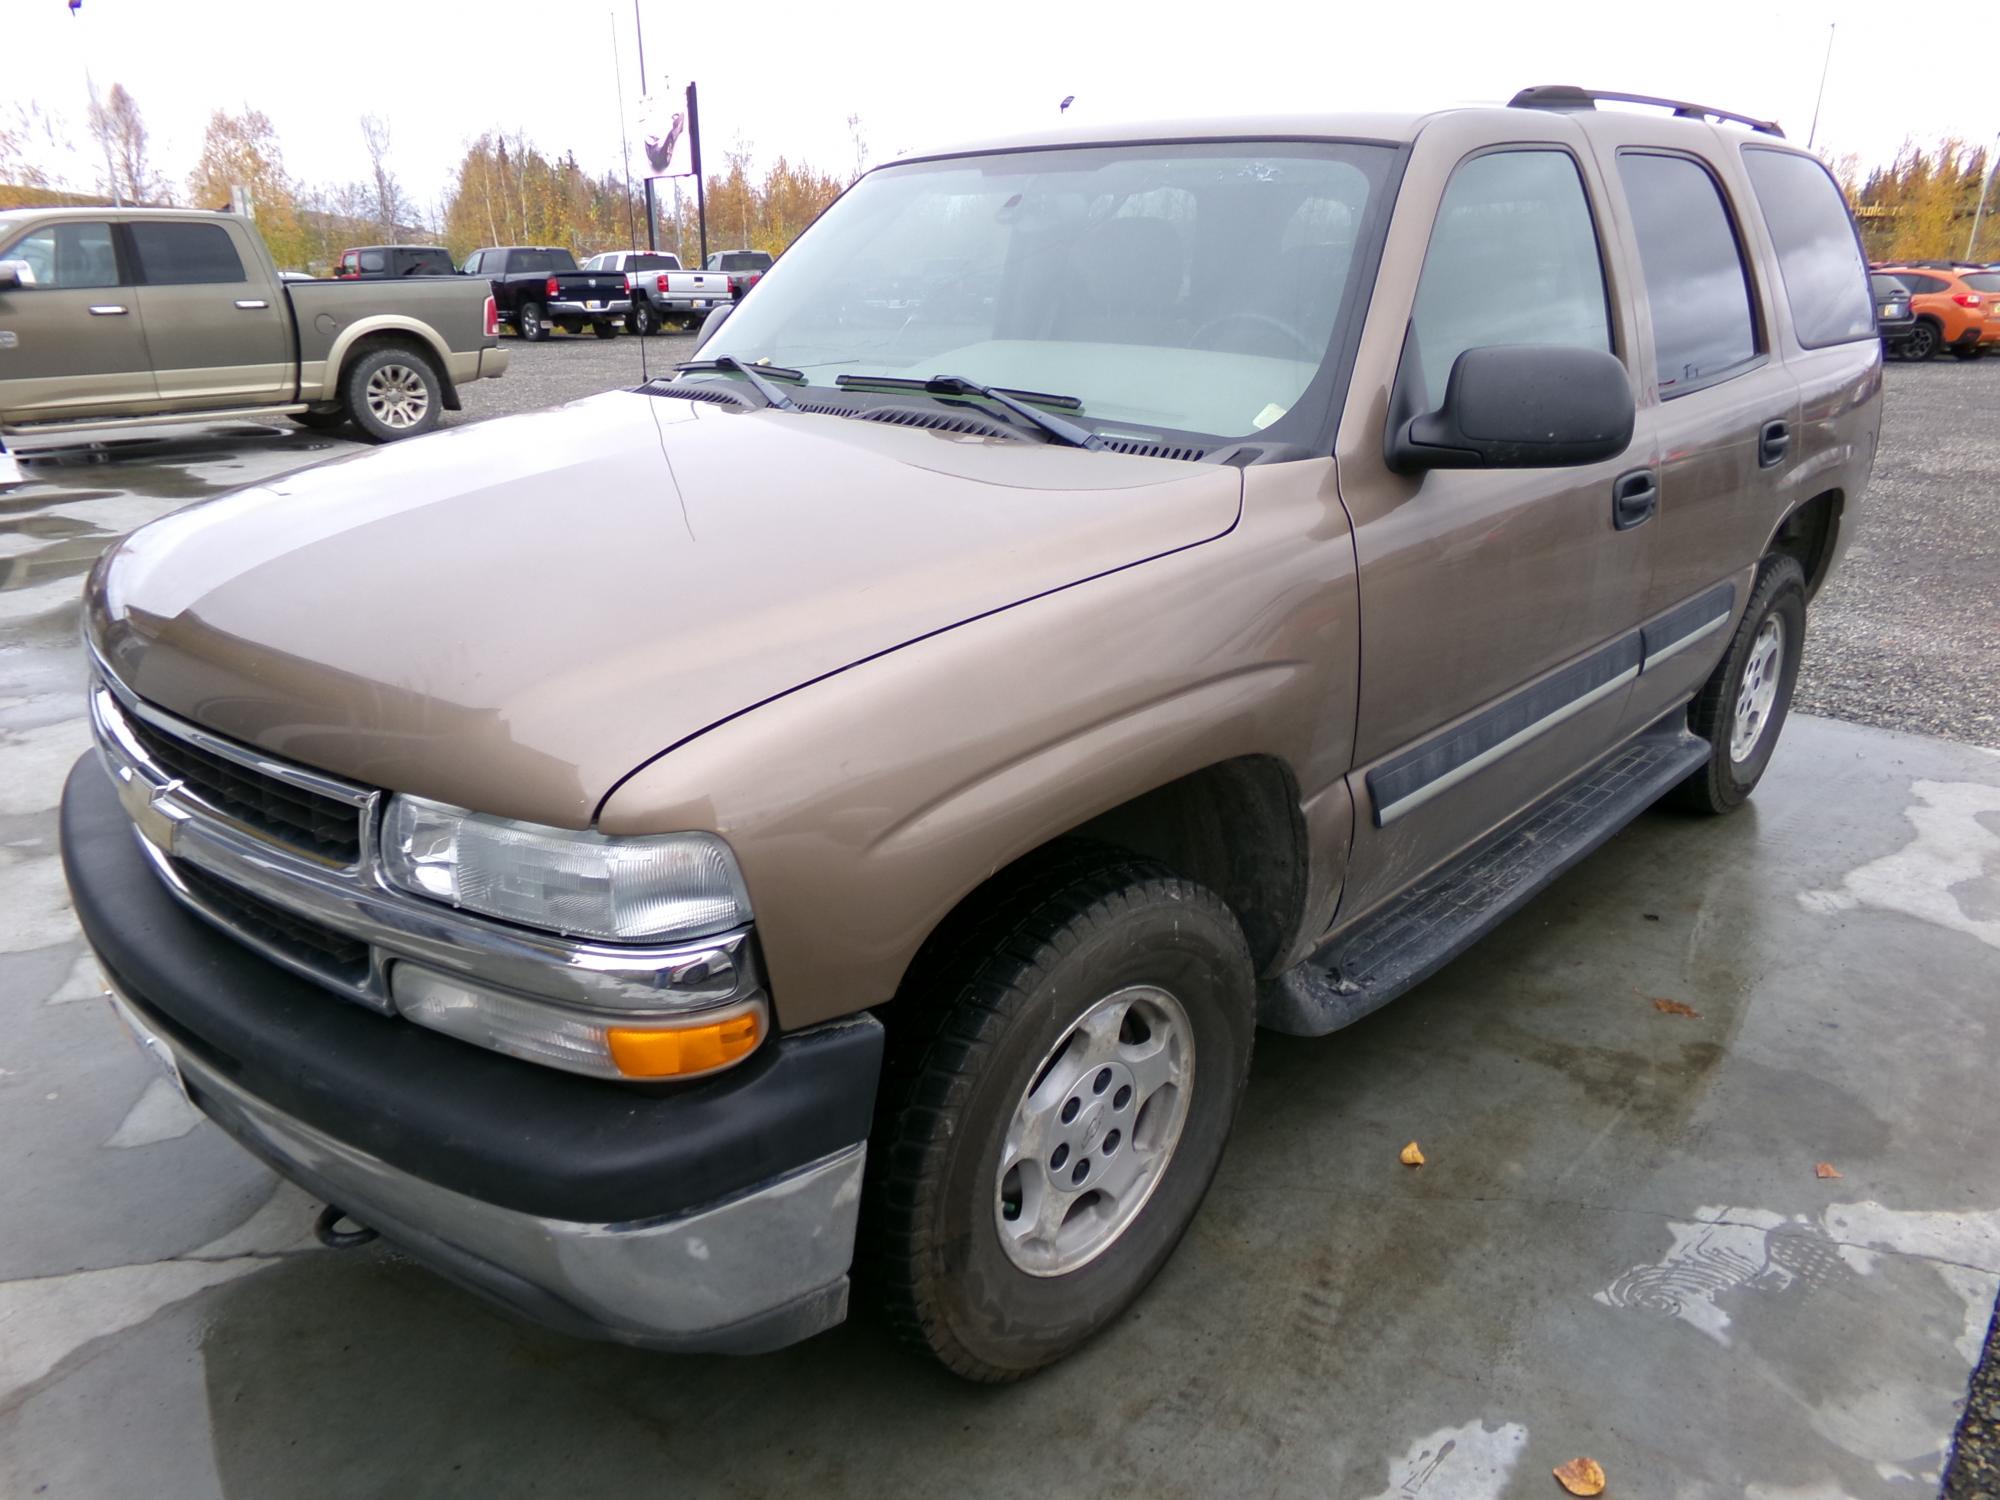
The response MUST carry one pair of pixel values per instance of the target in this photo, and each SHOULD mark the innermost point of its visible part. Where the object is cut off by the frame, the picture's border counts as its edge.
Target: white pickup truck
(661, 289)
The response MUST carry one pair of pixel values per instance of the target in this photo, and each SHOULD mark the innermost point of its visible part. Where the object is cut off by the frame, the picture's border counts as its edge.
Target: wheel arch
(1810, 533)
(366, 335)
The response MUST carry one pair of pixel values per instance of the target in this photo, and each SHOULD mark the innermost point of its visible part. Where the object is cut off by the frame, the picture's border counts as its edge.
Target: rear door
(72, 338)
(1497, 606)
(218, 338)
(1728, 408)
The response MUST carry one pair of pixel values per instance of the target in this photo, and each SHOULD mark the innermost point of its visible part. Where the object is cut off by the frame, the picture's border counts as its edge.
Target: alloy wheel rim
(397, 396)
(1758, 689)
(1093, 1133)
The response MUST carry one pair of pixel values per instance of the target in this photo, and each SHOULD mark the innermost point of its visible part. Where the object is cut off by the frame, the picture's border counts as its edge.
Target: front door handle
(1773, 443)
(1634, 498)
(107, 310)
(251, 304)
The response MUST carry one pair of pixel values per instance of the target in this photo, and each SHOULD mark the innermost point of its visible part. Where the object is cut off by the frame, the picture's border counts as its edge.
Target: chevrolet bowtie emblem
(152, 810)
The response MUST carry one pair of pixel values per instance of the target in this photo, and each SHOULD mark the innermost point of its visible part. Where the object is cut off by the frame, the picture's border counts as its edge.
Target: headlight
(580, 884)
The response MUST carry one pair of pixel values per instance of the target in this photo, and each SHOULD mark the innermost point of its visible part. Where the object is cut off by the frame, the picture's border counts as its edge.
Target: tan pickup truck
(131, 317)
(866, 787)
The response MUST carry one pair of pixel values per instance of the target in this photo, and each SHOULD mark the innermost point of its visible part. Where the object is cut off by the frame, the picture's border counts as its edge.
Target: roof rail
(1569, 96)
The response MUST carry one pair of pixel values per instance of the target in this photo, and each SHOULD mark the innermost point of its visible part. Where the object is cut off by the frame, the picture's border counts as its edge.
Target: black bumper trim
(497, 1129)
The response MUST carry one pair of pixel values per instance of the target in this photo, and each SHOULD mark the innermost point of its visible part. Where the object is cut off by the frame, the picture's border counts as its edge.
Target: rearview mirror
(1521, 406)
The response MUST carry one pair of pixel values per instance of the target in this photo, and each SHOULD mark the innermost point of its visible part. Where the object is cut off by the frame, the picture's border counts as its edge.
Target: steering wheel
(1264, 320)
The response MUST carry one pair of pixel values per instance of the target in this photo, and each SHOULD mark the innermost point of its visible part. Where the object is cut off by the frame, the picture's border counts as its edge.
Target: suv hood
(512, 616)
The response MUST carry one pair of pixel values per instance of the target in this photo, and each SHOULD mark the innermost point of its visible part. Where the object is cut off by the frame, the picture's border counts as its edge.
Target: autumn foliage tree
(243, 151)
(119, 130)
(1921, 206)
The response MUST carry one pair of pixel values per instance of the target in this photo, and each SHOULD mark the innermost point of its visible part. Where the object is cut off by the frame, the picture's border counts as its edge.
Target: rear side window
(373, 260)
(1982, 281)
(1695, 280)
(1921, 285)
(187, 255)
(1819, 256)
(426, 263)
(1513, 259)
(519, 261)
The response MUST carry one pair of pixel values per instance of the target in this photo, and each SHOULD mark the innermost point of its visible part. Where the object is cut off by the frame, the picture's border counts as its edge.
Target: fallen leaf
(1411, 1156)
(1825, 1170)
(1675, 1008)
(1581, 1476)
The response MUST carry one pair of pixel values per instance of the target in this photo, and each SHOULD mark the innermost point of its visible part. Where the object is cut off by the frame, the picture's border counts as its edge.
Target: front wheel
(1742, 707)
(1047, 1138)
(530, 323)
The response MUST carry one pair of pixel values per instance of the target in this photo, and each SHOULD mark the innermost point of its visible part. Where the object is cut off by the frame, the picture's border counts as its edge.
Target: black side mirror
(717, 316)
(1521, 406)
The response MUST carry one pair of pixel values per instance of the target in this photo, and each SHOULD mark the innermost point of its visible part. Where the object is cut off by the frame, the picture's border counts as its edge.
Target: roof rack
(1569, 96)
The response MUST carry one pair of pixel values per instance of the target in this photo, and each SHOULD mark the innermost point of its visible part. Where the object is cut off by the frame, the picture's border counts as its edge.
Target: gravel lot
(566, 368)
(1907, 635)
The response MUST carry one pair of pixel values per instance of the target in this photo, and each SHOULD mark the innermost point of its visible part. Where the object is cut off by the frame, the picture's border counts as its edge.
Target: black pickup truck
(538, 288)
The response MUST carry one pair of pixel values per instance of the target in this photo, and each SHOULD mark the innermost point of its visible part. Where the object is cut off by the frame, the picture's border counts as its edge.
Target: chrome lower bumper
(753, 1272)
(608, 309)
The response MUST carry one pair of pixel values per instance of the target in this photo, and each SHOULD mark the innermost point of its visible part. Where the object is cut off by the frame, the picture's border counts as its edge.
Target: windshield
(1168, 288)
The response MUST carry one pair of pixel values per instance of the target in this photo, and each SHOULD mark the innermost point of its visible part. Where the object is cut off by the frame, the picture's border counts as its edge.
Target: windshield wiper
(1059, 428)
(752, 373)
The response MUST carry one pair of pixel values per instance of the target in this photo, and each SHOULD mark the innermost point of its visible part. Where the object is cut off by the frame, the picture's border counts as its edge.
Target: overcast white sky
(784, 76)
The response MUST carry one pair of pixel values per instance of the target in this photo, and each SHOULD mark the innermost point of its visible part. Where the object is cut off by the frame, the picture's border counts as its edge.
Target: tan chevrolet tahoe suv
(850, 801)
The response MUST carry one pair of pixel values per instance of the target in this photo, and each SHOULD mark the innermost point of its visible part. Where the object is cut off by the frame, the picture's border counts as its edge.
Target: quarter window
(1819, 256)
(60, 256)
(1513, 259)
(1695, 279)
(186, 255)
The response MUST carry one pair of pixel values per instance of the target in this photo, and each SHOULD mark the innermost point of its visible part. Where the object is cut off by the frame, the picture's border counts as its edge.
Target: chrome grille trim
(355, 901)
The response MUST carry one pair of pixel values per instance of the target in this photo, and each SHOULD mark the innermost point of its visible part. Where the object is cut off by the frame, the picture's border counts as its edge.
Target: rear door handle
(107, 310)
(251, 304)
(1634, 498)
(1773, 443)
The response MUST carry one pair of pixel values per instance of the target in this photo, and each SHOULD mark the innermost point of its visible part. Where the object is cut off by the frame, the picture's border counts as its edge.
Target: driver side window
(1513, 259)
(66, 256)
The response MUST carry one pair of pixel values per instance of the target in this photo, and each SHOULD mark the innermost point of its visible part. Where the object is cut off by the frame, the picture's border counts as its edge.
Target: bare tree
(116, 125)
(390, 207)
(860, 140)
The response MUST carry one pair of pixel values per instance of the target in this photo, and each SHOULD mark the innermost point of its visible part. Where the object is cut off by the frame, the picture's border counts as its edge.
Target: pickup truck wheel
(529, 322)
(1048, 1137)
(604, 330)
(645, 322)
(393, 393)
(1742, 707)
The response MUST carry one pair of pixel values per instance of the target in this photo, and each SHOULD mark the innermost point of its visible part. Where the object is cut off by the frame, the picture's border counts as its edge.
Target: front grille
(292, 815)
(344, 959)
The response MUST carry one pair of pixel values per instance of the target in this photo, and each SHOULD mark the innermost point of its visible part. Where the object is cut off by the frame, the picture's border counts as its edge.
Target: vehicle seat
(1124, 285)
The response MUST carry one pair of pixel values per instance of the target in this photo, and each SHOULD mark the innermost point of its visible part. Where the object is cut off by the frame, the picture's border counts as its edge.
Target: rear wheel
(1742, 707)
(1924, 341)
(645, 322)
(531, 323)
(1050, 1128)
(393, 393)
(604, 330)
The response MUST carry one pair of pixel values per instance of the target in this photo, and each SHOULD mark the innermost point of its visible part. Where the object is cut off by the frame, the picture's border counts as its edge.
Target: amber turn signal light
(684, 1051)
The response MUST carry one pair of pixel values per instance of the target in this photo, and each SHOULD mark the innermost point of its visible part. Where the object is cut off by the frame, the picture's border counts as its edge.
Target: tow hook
(326, 1232)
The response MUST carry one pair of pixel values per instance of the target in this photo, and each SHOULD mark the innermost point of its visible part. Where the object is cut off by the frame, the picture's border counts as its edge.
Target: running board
(1437, 919)
(75, 427)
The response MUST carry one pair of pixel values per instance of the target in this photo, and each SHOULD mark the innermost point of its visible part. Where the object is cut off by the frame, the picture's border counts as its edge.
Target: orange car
(1951, 311)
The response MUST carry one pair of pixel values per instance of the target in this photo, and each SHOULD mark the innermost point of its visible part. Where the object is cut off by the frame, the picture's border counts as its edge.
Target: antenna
(1814, 131)
(625, 144)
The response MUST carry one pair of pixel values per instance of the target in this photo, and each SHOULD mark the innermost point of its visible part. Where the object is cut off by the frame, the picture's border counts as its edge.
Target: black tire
(645, 322)
(531, 322)
(1967, 351)
(1924, 341)
(408, 400)
(1006, 989)
(604, 330)
(321, 421)
(1725, 783)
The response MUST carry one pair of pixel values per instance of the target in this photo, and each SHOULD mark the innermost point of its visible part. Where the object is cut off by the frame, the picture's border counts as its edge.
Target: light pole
(1980, 212)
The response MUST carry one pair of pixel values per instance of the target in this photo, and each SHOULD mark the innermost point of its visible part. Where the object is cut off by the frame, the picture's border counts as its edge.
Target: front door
(72, 341)
(218, 338)
(1498, 607)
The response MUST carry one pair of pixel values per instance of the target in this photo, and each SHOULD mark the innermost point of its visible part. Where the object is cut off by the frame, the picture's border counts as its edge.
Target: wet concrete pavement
(1618, 1247)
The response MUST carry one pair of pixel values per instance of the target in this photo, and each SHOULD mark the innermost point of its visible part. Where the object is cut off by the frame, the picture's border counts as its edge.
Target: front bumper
(717, 1215)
